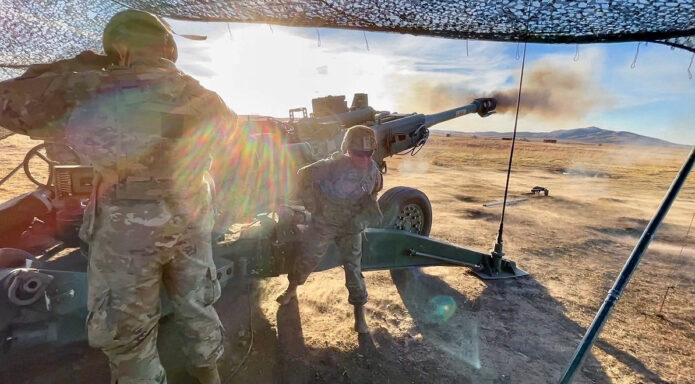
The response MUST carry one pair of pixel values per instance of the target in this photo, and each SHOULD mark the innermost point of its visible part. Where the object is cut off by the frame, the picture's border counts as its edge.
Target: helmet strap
(127, 55)
(124, 57)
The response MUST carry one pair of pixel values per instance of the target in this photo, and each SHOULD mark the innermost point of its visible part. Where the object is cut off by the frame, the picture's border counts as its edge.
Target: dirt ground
(444, 325)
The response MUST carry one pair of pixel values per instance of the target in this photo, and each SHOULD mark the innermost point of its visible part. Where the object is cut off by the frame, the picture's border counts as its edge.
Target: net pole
(628, 269)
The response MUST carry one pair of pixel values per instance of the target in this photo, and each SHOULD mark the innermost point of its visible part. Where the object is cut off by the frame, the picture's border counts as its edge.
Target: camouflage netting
(41, 31)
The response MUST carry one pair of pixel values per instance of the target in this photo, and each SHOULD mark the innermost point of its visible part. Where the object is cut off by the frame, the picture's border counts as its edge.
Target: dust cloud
(550, 92)
(414, 164)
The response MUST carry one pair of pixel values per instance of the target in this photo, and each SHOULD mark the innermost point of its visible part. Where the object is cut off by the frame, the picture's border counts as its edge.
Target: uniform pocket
(212, 287)
(101, 327)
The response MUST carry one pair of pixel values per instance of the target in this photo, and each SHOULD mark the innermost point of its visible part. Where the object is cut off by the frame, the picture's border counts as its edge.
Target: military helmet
(138, 28)
(359, 138)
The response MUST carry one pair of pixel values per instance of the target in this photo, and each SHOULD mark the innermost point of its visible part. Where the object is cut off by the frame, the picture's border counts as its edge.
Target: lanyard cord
(498, 246)
(511, 153)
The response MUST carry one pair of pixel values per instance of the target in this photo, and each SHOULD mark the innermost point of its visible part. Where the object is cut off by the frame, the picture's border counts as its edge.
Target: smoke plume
(549, 92)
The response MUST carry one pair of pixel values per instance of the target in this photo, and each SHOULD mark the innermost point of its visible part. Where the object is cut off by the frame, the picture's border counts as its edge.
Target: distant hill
(590, 135)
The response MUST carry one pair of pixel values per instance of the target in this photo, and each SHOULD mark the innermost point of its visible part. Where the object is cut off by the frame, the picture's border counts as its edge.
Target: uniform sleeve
(85, 61)
(318, 169)
(304, 188)
(35, 106)
(378, 185)
(310, 174)
(39, 102)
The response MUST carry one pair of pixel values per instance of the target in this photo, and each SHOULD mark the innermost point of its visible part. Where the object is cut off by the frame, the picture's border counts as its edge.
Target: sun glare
(282, 70)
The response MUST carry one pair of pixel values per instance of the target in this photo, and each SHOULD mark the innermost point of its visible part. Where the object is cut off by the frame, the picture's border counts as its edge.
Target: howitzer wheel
(406, 209)
(411, 218)
(44, 152)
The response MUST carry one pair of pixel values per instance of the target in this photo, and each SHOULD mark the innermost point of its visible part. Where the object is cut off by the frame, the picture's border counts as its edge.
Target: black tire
(406, 209)
(395, 204)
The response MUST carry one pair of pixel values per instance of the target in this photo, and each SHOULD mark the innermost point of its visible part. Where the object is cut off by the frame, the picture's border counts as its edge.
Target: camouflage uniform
(148, 130)
(342, 200)
(85, 61)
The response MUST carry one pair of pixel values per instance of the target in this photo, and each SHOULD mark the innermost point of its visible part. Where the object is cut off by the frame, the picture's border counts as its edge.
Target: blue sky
(264, 70)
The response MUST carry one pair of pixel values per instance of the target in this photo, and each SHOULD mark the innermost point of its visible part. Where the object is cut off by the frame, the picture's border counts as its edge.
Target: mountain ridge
(588, 135)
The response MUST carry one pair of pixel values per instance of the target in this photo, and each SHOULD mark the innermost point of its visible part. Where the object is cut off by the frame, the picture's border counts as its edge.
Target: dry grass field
(573, 243)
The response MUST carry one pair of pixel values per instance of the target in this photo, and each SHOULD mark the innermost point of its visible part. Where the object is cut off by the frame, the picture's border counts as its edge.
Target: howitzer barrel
(409, 131)
(441, 117)
(483, 107)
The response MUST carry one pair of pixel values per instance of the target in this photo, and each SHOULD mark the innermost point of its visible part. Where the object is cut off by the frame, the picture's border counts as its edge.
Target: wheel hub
(411, 218)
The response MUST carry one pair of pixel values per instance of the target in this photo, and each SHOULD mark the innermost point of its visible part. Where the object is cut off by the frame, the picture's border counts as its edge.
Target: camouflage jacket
(338, 194)
(36, 103)
(85, 61)
(148, 130)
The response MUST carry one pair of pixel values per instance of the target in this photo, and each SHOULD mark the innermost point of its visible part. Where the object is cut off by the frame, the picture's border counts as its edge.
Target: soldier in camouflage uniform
(340, 192)
(149, 131)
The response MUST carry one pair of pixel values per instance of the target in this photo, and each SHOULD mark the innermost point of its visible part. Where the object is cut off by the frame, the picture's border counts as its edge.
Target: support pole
(629, 268)
(12, 172)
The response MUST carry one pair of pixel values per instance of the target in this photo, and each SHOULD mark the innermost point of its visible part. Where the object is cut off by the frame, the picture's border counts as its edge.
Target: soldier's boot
(287, 296)
(360, 319)
(206, 375)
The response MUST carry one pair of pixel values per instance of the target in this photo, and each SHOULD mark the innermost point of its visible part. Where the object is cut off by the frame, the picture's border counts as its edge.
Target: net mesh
(39, 31)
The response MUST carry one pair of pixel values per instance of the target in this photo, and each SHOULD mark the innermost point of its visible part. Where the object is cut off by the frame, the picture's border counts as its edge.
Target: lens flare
(251, 167)
(443, 308)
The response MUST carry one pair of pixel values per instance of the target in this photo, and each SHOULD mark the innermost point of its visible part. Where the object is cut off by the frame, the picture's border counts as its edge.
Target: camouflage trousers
(135, 251)
(317, 239)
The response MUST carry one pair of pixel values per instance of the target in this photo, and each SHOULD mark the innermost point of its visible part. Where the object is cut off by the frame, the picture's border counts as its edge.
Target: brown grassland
(572, 243)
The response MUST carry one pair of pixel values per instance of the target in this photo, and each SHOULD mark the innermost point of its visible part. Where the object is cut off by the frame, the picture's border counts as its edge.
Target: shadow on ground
(482, 330)
(475, 340)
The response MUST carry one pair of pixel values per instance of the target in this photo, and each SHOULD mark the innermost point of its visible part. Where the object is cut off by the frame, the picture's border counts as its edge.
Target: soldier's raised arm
(313, 172)
(84, 61)
(38, 102)
(305, 183)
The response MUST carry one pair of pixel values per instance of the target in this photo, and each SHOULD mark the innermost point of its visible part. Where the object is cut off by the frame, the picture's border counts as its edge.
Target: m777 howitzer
(396, 133)
(46, 302)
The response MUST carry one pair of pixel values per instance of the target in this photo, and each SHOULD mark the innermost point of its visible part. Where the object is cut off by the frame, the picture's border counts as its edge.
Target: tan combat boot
(360, 319)
(287, 296)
